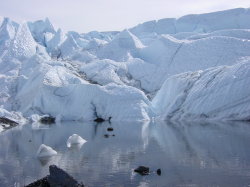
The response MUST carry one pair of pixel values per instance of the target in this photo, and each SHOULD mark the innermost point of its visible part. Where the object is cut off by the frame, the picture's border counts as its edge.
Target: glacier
(196, 67)
(215, 93)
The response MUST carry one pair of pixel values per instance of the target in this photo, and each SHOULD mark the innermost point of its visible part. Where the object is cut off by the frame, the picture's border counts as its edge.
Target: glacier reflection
(189, 154)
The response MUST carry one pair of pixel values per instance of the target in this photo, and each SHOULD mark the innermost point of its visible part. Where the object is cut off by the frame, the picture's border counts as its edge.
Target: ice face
(228, 19)
(216, 93)
(154, 69)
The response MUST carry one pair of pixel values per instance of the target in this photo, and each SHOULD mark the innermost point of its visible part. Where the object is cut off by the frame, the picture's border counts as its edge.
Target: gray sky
(103, 15)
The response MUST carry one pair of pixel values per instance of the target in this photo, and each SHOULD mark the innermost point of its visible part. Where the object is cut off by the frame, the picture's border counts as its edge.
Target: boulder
(56, 178)
(142, 170)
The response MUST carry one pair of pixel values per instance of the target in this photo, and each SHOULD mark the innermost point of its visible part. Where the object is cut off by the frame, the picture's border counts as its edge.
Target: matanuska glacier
(194, 67)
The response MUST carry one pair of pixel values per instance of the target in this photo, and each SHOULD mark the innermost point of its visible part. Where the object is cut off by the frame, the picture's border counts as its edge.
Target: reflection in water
(44, 161)
(189, 154)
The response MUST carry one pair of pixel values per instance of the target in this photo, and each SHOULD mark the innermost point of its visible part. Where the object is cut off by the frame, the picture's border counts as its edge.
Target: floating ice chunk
(45, 151)
(75, 139)
(35, 117)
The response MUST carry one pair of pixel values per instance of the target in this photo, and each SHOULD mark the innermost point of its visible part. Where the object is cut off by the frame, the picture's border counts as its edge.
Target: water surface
(189, 154)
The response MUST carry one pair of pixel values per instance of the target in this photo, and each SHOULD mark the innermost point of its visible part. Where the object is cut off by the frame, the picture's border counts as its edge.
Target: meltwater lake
(188, 154)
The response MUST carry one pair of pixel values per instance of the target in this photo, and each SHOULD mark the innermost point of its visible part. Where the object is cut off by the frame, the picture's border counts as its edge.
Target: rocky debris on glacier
(118, 75)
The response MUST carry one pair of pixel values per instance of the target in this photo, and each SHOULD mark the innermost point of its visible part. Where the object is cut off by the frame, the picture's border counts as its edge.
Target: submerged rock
(110, 129)
(99, 120)
(158, 171)
(142, 170)
(106, 135)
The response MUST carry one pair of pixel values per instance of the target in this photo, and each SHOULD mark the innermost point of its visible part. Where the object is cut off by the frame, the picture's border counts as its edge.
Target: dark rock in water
(40, 183)
(48, 120)
(99, 120)
(7, 121)
(106, 135)
(158, 171)
(142, 170)
(56, 178)
(110, 129)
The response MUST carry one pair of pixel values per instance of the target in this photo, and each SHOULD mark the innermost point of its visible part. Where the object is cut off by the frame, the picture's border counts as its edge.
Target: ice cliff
(194, 67)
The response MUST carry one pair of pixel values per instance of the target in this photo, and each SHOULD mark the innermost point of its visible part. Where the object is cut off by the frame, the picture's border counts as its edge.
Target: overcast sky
(103, 15)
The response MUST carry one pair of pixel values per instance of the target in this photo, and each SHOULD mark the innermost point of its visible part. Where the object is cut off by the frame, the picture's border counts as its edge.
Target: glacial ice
(228, 19)
(194, 67)
(45, 151)
(216, 93)
(75, 139)
(40, 29)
